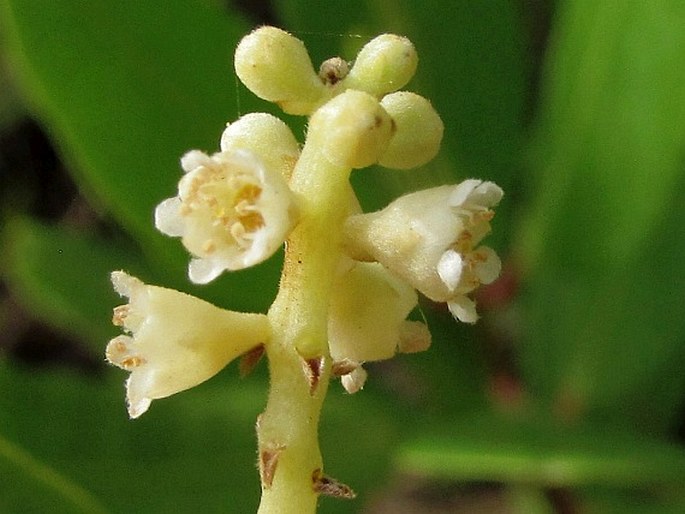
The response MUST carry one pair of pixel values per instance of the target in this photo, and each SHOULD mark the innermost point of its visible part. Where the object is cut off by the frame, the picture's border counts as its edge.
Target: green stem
(299, 360)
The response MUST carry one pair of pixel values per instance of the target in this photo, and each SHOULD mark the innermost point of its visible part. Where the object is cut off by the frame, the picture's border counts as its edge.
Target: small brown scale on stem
(268, 462)
(250, 359)
(312, 370)
(328, 486)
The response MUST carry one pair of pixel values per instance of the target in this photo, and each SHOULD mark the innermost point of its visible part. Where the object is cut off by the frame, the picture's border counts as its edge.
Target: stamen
(132, 362)
(119, 314)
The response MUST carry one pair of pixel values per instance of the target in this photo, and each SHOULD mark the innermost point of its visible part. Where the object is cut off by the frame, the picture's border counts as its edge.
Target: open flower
(231, 212)
(367, 320)
(430, 238)
(176, 341)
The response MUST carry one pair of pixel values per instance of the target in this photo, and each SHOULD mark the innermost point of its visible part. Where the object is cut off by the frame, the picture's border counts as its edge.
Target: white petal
(450, 268)
(125, 284)
(474, 192)
(355, 380)
(464, 309)
(193, 160)
(140, 407)
(461, 192)
(487, 194)
(488, 265)
(118, 350)
(168, 219)
(203, 271)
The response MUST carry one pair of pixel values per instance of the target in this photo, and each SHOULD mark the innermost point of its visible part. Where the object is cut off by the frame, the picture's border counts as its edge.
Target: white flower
(231, 212)
(430, 238)
(177, 341)
(367, 319)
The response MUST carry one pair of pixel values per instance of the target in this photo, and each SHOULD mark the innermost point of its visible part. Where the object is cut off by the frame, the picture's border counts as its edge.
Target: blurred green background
(567, 397)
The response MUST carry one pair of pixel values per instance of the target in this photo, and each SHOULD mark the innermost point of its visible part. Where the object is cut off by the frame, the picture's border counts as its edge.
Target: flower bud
(384, 64)
(267, 137)
(419, 131)
(353, 130)
(367, 315)
(275, 66)
(176, 341)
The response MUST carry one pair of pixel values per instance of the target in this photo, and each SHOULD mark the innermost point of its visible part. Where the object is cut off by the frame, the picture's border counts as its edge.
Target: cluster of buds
(236, 207)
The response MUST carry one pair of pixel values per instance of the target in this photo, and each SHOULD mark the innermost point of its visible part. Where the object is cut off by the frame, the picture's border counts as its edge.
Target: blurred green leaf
(57, 494)
(63, 276)
(192, 451)
(126, 89)
(526, 499)
(596, 500)
(491, 447)
(603, 245)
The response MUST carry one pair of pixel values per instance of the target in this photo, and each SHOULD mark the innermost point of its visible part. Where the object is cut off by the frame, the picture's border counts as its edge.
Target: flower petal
(168, 219)
(463, 308)
(203, 271)
(450, 268)
(487, 264)
(194, 159)
(355, 380)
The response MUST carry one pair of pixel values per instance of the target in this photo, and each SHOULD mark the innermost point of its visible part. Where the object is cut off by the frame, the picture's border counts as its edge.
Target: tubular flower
(163, 351)
(367, 320)
(231, 212)
(430, 238)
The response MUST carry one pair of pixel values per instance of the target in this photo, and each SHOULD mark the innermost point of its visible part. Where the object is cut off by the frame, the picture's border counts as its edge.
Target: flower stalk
(236, 207)
(299, 360)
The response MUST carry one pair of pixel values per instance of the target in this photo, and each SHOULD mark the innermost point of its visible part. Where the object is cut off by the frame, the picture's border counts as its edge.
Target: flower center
(230, 199)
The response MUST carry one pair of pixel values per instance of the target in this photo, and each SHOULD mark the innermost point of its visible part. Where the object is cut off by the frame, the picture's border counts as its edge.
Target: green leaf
(128, 89)
(29, 473)
(62, 276)
(600, 500)
(604, 243)
(194, 451)
(497, 448)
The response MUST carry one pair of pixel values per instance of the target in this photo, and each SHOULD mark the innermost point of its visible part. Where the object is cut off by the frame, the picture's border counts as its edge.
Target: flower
(231, 211)
(367, 320)
(430, 238)
(176, 341)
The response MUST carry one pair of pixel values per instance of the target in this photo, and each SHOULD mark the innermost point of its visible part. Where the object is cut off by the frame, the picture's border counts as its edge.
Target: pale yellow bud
(367, 315)
(352, 129)
(267, 137)
(275, 66)
(419, 131)
(385, 64)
